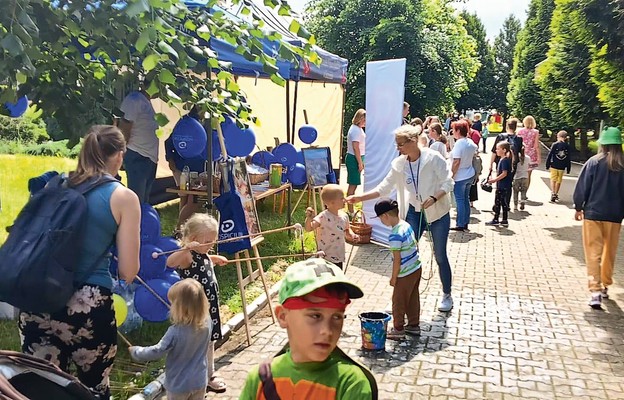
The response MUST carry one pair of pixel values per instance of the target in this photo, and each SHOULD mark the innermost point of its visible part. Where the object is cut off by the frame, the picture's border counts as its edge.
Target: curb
(227, 329)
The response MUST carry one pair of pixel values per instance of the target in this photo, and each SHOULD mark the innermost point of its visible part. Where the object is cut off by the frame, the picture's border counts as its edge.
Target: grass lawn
(128, 377)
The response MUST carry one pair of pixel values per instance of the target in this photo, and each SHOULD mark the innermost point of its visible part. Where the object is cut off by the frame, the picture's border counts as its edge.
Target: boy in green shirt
(313, 298)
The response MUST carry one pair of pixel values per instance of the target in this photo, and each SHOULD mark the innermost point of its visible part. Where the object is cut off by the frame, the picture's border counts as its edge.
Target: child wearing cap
(313, 298)
(406, 271)
(331, 225)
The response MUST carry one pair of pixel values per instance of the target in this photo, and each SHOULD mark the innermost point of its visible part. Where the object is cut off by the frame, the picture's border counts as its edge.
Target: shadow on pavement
(611, 320)
(464, 237)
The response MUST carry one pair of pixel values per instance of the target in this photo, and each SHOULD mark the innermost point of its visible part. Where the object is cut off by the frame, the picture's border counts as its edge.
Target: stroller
(24, 377)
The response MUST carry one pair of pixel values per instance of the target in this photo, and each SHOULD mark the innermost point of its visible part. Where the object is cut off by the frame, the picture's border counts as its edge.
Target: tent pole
(342, 146)
(288, 111)
(208, 168)
(292, 133)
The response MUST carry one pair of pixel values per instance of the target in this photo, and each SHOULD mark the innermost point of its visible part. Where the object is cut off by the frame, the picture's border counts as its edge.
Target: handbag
(232, 223)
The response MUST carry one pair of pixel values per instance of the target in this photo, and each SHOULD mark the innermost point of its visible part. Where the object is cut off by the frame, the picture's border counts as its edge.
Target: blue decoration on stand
(308, 134)
(297, 174)
(171, 276)
(238, 142)
(167, 243)
(151, 267)
(263, 159)
(285, 154)
(189, 137)
(150, 224)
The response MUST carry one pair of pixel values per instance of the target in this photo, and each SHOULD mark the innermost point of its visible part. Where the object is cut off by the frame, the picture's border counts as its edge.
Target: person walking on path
(139, 128)
(356, 149)
(558, 161)
(520, 182)
(599, 203)
(463, 172)
(530, 140)
(423, 180)
(503, 185)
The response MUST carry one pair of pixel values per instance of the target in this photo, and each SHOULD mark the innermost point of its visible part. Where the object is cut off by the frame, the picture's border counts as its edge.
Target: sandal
(216, 384)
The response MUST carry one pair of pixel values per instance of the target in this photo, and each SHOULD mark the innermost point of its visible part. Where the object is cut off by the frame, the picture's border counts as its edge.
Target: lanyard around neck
(415, 179)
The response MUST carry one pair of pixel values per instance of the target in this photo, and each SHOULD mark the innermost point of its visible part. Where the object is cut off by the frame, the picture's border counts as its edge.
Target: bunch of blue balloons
(141, 302)
(289, 157)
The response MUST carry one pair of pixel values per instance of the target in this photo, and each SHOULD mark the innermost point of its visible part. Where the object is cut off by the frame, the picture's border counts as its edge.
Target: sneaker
(504, 223)
(595, 301)
(412, 330)
(604, 293)
(553, 197)
(522, 206)
(515, 207)
(395, 334)
(446, 304)
(493, 222)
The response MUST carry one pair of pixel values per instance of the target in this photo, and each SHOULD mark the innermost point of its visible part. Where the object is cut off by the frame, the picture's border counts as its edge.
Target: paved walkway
(520, 328)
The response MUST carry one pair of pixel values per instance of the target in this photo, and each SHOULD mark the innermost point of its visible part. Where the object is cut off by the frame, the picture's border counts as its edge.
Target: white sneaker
(446, 304)
(595, 301)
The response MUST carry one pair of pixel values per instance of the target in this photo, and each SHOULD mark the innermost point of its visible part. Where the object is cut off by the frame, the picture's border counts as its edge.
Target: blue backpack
(38, 259)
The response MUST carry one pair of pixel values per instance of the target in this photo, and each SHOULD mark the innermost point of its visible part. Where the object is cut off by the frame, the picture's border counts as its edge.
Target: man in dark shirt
(504, 178)
(558, 160)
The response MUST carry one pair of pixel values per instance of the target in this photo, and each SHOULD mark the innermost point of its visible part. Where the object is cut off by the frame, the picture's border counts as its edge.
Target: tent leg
(294, 119)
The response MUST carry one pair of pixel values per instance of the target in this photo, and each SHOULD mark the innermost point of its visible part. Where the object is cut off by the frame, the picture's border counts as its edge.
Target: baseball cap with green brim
(304, 277)
(611, 135)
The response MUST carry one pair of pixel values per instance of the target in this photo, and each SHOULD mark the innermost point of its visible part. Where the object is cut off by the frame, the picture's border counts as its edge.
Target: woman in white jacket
(423, 180)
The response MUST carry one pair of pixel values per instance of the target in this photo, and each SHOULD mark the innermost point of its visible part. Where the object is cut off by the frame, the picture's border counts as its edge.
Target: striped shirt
(402, 239)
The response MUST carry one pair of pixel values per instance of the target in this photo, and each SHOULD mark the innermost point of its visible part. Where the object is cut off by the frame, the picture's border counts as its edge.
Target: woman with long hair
(599, 203)
(356, 149)
(530, 139)
(84, 332)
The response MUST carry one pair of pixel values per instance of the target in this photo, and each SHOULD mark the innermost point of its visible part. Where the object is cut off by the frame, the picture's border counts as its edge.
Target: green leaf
(223, 75)
(275, 78)
(152, 89)
(173, 97)
(213, 62)
(143, 40)
(21, 77)
(161, 119)
(294, 26)
(190, 25)
(22, 34)
(150, 62)
(284, 10)
(166, 48)
(12, 44)
(28, 23)
(165, 76)
(137, 7)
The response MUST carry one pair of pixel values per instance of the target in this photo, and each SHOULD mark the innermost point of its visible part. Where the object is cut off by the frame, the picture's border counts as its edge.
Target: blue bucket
(374, 325)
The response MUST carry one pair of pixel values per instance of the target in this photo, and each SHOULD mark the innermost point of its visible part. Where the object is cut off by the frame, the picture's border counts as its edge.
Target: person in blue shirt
(504, 179)
(185, 343)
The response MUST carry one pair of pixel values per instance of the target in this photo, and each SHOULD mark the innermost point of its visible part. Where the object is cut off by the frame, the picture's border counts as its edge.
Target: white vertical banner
(385, 90)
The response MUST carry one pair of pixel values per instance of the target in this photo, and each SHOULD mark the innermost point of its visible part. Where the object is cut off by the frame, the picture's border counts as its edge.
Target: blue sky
(491, 12)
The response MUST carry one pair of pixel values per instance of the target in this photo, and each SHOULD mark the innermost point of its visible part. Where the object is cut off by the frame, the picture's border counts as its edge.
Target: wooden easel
(253, 274)
(311, 190)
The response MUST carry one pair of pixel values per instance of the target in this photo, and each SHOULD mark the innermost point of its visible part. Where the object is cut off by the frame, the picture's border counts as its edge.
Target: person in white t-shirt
(356, 148)
(463, 172)
(438, 138)
(139, 128)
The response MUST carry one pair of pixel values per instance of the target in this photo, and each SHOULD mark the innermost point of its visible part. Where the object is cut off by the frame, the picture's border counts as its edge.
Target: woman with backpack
(84, 331)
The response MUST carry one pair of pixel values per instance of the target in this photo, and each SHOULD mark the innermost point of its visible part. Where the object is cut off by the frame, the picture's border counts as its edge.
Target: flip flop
(216, 384)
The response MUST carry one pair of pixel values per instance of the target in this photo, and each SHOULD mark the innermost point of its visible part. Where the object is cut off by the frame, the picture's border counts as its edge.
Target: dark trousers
(501, 201)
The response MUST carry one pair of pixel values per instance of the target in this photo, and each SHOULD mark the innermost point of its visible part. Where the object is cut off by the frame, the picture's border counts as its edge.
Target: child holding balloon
(198, 236)
(184, 343)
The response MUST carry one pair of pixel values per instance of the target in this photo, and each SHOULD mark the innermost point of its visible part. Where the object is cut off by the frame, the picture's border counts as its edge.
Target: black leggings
(83, 333)
(501, 200)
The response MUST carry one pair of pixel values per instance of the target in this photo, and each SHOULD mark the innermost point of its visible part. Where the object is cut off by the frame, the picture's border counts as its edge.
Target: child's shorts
(556, 175)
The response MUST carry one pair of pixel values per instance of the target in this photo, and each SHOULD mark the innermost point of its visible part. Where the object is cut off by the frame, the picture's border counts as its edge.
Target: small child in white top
(520, 183)
(331, 225)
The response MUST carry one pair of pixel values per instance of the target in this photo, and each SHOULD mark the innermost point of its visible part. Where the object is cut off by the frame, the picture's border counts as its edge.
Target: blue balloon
(167, 243)
(263, 159)
(171, 276)
(285, 154)
(308, 134)
(238, 142)
(151, 267)
(189, 137)
(216, 146)
(149, 307)
(300, 158)
(18, 108)
(150, 224)
(297, 174)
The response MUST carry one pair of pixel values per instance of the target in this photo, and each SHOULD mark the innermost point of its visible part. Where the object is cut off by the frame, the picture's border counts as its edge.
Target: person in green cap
(313, 298)
(599, 203)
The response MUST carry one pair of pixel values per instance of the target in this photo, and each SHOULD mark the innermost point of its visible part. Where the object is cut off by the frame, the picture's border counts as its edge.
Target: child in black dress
(198, 234)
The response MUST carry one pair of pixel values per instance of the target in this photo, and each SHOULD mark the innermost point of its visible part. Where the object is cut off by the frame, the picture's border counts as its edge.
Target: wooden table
(255, 189)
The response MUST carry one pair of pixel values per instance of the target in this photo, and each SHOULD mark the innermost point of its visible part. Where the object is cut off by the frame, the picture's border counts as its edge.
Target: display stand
(253, 275)
(311, 191)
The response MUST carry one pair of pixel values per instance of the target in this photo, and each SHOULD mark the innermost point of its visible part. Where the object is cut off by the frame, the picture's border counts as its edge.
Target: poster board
(317, 164)
(242, 184)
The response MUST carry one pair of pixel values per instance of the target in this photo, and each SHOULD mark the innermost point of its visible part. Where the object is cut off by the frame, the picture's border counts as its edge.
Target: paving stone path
(520, 327)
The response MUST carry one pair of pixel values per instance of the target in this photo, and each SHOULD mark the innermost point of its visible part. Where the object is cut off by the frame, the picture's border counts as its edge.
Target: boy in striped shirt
(406, 271)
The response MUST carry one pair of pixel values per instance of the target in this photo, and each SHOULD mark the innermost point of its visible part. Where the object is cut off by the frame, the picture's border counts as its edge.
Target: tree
(428, 34)
(504, 45)
(480, 93)
(74, 57)
(524, 96)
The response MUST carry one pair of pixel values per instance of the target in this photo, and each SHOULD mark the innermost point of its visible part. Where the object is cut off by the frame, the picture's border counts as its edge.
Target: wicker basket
(258, 178)
(361, 228)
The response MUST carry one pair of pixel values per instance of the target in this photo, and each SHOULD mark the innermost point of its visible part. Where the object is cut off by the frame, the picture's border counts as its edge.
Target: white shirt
(465, 150)
(439, 147)
(356, 134)
(522, 169)
(138, 109)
